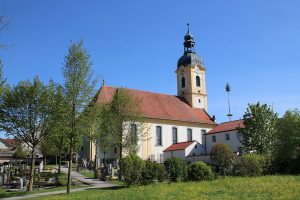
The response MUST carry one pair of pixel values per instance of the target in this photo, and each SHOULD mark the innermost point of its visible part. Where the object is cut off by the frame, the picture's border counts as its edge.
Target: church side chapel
(176, 125)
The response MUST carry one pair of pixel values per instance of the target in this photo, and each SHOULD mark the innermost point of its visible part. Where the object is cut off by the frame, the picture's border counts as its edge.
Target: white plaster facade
(194, 149)
(167, 139)
(147, 147)
(234, 140)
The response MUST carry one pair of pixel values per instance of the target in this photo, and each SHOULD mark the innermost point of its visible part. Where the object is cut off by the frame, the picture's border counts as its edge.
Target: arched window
(133, 134)
(198, 81)
(158, 136)
(182, 82)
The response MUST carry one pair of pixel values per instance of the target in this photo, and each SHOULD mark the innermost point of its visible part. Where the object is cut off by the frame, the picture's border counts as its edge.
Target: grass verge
(239, 188)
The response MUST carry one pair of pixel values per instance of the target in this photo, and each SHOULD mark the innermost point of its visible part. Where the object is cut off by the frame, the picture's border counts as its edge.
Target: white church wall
(157, 150)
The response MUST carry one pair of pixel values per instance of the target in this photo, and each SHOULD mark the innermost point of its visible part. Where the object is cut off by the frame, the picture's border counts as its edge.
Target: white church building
(177, 125)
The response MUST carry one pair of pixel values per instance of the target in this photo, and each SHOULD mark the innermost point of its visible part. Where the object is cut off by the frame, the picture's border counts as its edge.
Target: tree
(78, 88)
(260, 128)
(2, 80)
(126, 123)
(98, 121)
(287, 145)
(3, 25)
(20, 151)
(26, 114)
(58, 132)
(222, 157)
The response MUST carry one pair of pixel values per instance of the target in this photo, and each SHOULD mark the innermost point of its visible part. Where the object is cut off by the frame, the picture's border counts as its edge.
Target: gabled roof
(8, 142)
(179, 146)
(227, 126)
(160, 106)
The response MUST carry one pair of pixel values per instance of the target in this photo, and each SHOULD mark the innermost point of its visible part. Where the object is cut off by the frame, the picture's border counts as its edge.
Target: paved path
(93, 183)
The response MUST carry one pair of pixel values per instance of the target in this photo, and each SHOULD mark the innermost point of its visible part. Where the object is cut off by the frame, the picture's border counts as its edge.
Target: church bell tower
(191, 83)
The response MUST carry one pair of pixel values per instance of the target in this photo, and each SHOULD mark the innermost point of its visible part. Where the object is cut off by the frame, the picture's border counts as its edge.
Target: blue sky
(254, 45)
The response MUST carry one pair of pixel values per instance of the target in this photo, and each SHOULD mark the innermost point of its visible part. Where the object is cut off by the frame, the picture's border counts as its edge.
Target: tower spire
(188, 41)
(188, 28)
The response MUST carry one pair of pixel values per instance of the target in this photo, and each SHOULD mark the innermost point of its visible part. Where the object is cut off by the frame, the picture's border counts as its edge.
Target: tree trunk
(120, 159)
(45, 161)
(95, 163)
(31, 170)
(59, 164)
(69, 171)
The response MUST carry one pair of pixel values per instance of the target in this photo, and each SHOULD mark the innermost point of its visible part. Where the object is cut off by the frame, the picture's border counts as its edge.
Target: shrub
(222, 157)
(253, 164)
(176, 169)
(199, 171)
(132, 167)
(161, 172)
(149, 172)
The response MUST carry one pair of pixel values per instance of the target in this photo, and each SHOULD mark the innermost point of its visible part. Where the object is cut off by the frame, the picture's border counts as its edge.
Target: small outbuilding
(184, 150)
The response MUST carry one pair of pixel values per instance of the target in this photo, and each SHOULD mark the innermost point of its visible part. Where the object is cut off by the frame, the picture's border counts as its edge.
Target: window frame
(227, 136)
(214, 138)
(189, 134)
(158, 142)
(174, 133)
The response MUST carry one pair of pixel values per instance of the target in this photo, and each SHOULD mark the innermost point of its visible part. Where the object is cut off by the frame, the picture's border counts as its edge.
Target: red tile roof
(179, 146)
(8, 142)
(160, 106)
(227, 126)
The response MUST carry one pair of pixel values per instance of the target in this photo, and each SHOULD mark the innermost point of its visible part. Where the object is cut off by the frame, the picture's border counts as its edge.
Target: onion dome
(189, 58)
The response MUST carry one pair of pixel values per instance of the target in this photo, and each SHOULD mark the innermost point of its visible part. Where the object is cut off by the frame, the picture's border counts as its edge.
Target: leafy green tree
(3, 25)
(59, 131)
(20, 152)
(98, 122)
(287, 145)
(26, 112)
(125, 123)
(260, 128)
(2, 80)
(79, 87)
(48, 148)
(222, 157)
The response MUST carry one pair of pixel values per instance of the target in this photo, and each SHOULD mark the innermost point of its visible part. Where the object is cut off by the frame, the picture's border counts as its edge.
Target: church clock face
(197, 71)
(182, 72)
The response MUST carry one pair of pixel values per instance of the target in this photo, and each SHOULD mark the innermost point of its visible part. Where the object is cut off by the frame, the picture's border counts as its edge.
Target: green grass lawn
(87, 173)
(267, 187)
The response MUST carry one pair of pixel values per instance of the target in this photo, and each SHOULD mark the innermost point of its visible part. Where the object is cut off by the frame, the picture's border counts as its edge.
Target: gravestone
(41, 166)
(21, 184)
(114, 174)
(5, 179)
(1, 179)
(109, 169)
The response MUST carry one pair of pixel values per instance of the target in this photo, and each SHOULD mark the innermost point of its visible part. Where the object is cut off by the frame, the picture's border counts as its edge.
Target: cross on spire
(188, 26)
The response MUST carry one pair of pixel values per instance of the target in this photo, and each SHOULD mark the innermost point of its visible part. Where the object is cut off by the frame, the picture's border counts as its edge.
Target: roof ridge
(115, 87)
(232, 121)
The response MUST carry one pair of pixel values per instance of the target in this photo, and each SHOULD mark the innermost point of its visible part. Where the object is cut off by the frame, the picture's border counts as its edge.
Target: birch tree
(79, 86)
